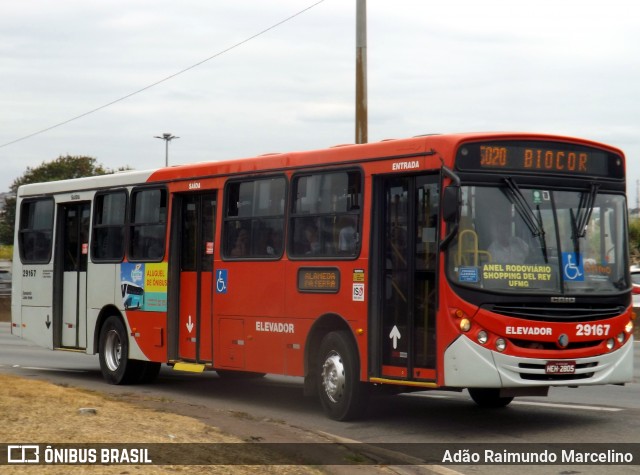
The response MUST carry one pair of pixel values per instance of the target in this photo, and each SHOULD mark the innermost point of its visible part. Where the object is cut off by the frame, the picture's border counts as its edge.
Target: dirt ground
(39, 412)
(34, 411)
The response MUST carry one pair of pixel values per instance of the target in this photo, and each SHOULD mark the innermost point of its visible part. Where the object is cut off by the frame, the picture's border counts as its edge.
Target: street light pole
(362, 131)
(167, 138)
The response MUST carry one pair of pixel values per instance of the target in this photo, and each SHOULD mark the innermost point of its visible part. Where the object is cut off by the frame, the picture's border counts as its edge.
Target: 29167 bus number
(586, 329)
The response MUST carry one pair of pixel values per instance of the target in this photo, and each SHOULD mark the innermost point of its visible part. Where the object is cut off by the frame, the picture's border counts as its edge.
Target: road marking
(61, 370)
(532, 403)
(408, 459)
(442, 470)
(568, 406)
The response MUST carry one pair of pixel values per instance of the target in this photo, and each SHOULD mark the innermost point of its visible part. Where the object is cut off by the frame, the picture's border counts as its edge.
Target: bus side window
(254, 218)
(35, 231)
(148, 224)
(109, 226)
(325, 217)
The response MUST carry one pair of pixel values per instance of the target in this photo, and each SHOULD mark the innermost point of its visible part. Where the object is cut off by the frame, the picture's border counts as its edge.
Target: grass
(6, 253)
(36, 411)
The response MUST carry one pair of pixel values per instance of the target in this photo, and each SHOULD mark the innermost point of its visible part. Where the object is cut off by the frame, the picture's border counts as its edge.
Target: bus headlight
(629, 327)
(621, 338)
(501, 344)
(482, 337)
(465, 325)
(610, 344)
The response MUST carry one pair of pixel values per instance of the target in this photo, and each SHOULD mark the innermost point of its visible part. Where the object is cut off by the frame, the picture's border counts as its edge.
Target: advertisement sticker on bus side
(144, 286)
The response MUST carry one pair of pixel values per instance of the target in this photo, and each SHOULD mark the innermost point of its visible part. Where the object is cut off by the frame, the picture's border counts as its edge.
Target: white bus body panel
(16, 294)
(34, 325)
(470, 365)
(31, 307)
(103, 288)
(32, 295)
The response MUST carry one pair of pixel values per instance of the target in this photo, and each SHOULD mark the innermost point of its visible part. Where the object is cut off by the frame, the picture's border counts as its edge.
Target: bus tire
(489, 397)
(342, 395)
(115, 364)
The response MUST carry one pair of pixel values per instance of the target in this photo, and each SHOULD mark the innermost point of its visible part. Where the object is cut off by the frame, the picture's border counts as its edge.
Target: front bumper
(470, 365)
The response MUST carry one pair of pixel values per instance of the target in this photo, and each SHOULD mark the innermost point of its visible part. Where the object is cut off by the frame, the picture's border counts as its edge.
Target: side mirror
(451, 204)
(451, 200)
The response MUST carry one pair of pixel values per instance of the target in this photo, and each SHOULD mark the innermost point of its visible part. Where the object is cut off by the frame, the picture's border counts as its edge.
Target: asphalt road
(583, 415)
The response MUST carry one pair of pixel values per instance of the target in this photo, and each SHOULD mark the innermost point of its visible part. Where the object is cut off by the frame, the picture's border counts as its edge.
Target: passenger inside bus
(241, 247)
(269, 243)
(347, 236)
(311, 235)
(507, 248)
(155, 249)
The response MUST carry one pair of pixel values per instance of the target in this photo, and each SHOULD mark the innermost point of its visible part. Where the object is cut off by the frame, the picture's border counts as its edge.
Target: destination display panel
(552, 158)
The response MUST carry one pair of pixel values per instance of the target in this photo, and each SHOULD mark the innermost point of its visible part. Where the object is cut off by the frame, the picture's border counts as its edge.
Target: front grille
(584, 313)
(556, 377)
(552, 345)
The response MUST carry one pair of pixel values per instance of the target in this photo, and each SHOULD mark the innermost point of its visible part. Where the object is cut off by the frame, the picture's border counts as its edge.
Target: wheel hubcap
(113, 350)
(333, 378)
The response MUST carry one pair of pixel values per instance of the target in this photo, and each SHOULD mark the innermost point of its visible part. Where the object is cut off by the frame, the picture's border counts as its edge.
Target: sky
(569, 67)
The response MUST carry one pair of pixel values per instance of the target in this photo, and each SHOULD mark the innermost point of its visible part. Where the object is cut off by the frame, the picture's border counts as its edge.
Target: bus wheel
(342, 395)
(115, 364)
(489, 397)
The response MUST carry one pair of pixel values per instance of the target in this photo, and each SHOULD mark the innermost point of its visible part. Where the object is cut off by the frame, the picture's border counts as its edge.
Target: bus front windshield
(536, 240)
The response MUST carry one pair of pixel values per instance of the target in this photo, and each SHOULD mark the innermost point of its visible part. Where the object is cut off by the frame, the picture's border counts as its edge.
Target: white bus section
(84, 292)
(467, 364)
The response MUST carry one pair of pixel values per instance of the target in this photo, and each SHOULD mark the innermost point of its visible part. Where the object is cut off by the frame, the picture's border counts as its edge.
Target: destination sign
(319, 279)
(540, 157)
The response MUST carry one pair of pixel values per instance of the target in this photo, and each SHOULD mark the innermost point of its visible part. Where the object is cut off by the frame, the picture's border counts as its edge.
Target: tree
(634, 240)
(62, 168)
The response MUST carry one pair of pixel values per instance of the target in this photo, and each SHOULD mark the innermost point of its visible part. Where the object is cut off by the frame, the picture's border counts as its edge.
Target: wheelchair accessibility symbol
(572, 267)
(221, 281)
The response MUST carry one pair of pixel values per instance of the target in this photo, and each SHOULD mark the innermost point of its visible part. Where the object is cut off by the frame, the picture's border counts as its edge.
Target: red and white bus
(493, 262)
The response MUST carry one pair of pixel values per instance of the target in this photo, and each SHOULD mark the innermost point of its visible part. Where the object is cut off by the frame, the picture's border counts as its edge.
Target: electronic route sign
(543, 157)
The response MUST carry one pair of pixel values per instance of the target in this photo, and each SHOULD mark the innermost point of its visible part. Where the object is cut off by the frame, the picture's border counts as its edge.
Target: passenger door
(406, 259)
(70, 307)
(193, 234)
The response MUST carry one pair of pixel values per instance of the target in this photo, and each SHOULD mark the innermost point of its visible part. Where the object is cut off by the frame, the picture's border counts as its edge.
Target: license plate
(560, 367)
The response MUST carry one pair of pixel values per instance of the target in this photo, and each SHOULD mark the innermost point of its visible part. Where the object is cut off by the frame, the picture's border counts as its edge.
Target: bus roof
(125, 178)
(442, 144)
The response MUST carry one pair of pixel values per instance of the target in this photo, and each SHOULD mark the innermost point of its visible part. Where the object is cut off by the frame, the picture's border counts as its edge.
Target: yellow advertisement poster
(155, 277)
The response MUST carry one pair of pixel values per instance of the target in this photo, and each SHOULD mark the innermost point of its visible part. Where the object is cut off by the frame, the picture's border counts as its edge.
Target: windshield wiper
(580, 219)
(585, 208)
(523, 208)
(543, 242)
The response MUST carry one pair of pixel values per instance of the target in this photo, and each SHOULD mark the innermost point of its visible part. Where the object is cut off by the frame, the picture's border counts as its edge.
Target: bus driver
(506, 248)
